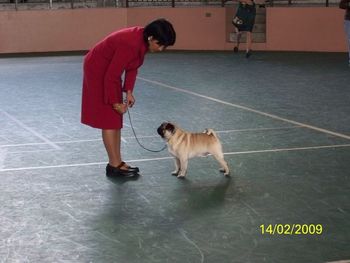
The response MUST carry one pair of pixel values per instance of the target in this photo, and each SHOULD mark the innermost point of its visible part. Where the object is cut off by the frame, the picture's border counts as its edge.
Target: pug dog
(184, 145)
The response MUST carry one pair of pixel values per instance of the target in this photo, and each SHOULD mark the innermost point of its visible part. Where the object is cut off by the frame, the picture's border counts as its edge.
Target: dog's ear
(170, 127)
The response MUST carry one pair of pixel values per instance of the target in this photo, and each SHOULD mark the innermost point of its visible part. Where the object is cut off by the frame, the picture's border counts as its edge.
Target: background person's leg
(238, 39)
(248, 44)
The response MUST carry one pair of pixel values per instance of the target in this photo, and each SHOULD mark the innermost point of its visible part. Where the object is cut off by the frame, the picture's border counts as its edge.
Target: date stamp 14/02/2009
(291, 229)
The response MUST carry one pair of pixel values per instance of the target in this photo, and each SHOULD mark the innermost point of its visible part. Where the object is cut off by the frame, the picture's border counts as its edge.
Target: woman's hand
(121, 108)
(130, 100)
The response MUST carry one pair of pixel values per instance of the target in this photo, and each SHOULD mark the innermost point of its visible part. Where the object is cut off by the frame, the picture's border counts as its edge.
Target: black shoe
(130, 168)
(235, 49)
(117, 172)
(248, 53)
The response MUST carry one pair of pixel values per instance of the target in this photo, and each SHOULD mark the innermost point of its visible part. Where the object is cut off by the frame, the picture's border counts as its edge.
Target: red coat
(121, 52)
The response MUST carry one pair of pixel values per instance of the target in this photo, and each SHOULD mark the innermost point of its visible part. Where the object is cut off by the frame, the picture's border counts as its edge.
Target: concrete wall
(308, 29)
(195, 30)
(56, 30)
(198, 28)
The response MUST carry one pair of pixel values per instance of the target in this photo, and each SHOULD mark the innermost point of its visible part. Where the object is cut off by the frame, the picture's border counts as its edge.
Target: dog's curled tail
(210, 132)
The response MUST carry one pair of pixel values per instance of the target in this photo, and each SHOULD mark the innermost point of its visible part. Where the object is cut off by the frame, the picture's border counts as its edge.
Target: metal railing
(173, 3)
(326, 3)
(62, 4)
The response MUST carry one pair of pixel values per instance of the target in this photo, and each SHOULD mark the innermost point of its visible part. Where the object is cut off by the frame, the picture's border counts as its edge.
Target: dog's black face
(166, 128)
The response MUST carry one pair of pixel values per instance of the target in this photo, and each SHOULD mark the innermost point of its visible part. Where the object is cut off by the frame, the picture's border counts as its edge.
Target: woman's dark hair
(161, 30)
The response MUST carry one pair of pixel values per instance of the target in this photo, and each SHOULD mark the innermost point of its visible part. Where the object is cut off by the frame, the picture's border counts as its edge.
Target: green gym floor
(284, 122)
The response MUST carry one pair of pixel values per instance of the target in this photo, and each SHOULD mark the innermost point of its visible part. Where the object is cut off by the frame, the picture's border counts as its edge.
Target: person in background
(244, 21)
(117, 56)
(345, 4)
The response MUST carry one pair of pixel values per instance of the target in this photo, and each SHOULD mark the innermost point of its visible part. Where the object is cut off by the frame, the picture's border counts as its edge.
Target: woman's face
(153, 45)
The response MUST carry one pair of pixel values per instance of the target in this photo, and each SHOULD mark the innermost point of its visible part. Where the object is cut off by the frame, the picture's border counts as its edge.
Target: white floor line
(76, 165)
(141, 137)
(21, 124)
(260, 129)
(31, 151)
(23, 144)
(340, 261)
(44, 143)
(248, 109)
(169, 157)
(290, 149)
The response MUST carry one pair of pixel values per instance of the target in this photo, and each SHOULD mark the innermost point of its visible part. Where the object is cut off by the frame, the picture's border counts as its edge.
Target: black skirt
(246, 13)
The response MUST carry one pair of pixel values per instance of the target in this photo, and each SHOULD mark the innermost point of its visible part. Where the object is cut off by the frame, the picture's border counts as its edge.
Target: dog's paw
(181, 176)
(226, 173)
(175, 172)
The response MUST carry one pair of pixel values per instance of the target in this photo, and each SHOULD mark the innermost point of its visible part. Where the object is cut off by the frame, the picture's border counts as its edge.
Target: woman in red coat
(103, 106)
